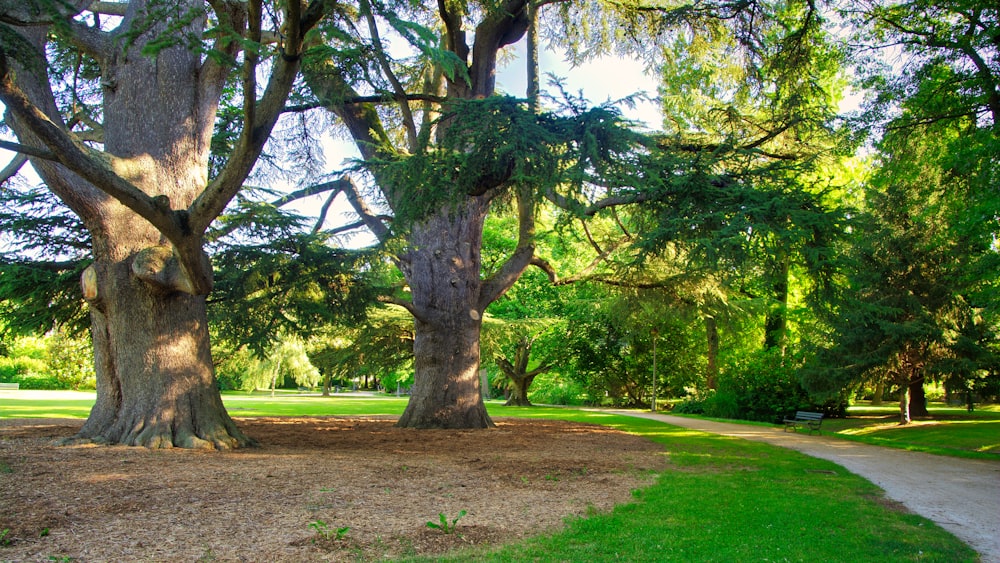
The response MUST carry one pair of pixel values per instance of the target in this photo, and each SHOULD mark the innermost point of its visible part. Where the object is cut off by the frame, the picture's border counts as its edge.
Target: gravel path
(961, 495)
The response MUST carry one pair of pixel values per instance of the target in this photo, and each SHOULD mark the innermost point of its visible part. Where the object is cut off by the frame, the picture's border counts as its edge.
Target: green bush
(763, 386)
(71, 361)
(554, 389)
(691, 405)
(13, 370)
(42, 383)
(390, 381)
(56, 361)
(28, 347)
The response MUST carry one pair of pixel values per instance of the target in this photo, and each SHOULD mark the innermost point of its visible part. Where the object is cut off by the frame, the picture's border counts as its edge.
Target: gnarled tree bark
(146, 200)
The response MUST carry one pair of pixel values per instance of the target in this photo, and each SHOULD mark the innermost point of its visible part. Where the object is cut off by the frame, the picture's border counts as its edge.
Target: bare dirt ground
(286, 501)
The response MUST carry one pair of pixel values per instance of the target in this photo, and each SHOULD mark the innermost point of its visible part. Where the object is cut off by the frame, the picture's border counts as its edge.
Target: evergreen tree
(440, 147)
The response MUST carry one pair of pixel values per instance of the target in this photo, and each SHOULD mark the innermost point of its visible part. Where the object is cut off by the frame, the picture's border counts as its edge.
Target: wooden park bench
(13, 386)
(810, 420)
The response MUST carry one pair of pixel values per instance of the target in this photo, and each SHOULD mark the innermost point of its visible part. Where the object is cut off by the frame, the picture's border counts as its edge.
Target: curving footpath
(961, 495)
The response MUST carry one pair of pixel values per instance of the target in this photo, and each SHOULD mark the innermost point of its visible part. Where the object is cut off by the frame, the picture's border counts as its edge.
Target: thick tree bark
(441, 261)
(918, 400)
(155, 379)
(442, 269)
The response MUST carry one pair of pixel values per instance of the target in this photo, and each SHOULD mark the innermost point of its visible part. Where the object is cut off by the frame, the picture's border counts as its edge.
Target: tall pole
(655, 334)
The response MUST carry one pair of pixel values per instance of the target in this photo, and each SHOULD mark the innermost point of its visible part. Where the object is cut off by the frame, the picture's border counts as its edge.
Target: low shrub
(691, 405)
(763, 386)
(556, 389)
(13, 370)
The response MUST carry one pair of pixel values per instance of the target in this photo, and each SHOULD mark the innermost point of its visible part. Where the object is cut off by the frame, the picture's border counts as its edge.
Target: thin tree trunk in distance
(904, 403)
(879, 392)
(712, 336)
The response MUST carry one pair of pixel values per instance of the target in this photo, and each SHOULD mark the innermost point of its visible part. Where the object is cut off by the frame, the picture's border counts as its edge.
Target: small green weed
(4, 540)
(325, 532)
(443, 522)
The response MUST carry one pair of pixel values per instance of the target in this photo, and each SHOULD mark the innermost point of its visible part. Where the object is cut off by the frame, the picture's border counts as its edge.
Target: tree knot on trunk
(159, 267)
(88, 283)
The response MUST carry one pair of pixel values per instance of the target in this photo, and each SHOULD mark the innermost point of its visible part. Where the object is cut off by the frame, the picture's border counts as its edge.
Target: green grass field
(949, 431)
(727, 500)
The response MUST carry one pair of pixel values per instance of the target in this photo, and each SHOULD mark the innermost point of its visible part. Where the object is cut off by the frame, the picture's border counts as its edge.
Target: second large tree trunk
(442, 268)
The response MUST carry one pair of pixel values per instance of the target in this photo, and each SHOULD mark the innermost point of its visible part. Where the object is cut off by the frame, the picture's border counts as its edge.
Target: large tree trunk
(155, 381)
(442, 268)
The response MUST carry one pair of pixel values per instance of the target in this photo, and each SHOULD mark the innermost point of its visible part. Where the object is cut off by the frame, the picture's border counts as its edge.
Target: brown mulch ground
(311, 475)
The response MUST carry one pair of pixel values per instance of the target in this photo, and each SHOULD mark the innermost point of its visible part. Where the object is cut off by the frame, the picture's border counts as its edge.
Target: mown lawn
(726, 499)
(735, 500)
(948, 431)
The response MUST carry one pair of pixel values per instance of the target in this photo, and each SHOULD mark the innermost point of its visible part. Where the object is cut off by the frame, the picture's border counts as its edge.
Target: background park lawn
(726, 500)
(950, 430)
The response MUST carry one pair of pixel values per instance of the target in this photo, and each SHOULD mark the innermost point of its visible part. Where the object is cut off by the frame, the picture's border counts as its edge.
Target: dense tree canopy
(920, 300)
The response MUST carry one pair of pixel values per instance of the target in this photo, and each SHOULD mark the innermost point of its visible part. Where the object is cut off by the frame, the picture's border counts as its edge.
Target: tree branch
(335, 186)
(400, 94)
(25, 151)
(324, 210)
(503, 25)
(109, 8)
(402, 303)
(207, 206)
(454, 34)
(508, 274)
(374, 222)
(583, 275)
(91, 166)
(13, 167)
(91, 40)
(372, 99)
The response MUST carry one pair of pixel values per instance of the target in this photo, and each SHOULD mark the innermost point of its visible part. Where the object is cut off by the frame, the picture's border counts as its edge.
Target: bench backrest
(804, 415)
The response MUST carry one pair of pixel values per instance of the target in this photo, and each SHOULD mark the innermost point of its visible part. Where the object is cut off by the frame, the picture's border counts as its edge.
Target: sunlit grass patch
(728, 499)
(949, 430)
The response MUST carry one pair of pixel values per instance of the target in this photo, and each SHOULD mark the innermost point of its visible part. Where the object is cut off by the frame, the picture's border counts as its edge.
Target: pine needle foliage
(498, 145)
